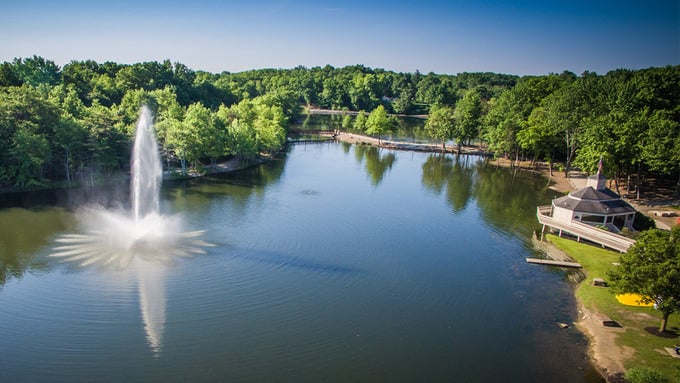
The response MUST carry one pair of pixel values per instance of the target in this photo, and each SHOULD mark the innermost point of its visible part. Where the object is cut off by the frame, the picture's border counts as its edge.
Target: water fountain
(141, 239)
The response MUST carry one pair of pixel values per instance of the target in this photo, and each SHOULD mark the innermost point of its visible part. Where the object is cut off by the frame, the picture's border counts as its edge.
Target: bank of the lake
(611, 358)
(612, 349)
(332, 262)
(636, 342)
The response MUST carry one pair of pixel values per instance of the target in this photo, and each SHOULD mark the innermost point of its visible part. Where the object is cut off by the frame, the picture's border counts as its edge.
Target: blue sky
(518, 37)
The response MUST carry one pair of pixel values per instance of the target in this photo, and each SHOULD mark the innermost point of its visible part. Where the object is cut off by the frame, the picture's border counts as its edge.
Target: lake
(333, 263)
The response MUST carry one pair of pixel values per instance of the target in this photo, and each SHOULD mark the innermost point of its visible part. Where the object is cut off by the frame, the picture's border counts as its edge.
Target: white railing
(581, 230)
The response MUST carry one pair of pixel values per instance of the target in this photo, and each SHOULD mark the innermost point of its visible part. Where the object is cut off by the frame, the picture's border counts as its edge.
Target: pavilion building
(595, 205)
(595, 213)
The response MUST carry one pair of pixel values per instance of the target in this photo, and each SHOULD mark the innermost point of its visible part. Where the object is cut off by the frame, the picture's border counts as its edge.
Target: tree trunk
(458, 149)
(443, 146)
(664, 321)
(637, 183)
(67, 166)
(184, 166)
(568, 161)
(616, 182)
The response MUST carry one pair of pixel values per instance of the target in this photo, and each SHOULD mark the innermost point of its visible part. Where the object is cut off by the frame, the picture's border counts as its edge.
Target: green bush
(628, 233)
(645, 375)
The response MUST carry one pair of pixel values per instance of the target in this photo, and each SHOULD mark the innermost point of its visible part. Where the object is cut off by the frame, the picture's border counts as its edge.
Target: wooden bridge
(581, 230)
(300, 134)
(317, 132)
(354, 138)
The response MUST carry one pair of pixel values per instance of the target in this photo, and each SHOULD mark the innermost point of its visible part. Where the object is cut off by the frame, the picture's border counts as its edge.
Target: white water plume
(143, 237)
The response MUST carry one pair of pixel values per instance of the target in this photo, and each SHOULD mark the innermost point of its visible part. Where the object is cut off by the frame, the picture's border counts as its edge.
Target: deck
(552, 262)
(583, 231)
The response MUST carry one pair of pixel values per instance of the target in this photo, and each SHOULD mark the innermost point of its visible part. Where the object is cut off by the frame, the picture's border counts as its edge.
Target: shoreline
(604, 354)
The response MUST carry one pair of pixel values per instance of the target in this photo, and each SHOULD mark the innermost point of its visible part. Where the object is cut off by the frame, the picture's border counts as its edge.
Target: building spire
(599, 166)
(598, 180)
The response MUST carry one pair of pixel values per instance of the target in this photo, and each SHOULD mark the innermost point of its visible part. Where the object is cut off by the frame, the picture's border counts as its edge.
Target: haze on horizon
(521, 37)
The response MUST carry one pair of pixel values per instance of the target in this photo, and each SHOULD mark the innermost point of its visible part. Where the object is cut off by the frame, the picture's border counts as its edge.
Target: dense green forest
(75, 123)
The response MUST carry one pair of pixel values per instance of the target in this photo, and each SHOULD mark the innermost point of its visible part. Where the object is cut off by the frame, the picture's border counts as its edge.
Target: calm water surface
(333, 263)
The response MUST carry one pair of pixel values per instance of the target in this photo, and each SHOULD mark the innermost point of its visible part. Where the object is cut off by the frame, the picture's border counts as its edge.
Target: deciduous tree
(651, 268)
(440, 124)
(468, 113)
(379, 122)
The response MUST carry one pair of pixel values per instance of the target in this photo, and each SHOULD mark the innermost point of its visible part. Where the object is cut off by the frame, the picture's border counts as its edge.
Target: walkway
(354, 138)
(581, 230)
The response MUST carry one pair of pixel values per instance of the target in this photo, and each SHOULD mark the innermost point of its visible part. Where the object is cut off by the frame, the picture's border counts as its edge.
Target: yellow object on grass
(632, 300)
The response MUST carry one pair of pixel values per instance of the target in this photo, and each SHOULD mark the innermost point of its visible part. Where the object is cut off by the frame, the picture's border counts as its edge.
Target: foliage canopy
(651, 268)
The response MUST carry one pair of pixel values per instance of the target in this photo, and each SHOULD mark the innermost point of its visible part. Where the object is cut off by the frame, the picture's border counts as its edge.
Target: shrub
(645, 375)
(628, 233)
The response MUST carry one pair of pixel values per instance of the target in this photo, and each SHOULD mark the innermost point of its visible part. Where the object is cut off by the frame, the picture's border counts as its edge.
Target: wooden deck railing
(581, 230)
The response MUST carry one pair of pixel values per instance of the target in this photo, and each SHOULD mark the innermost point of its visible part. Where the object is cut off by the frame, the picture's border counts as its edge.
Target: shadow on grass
(668, 334)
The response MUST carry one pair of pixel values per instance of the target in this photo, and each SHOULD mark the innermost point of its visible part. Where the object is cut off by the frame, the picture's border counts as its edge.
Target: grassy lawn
(637, 321)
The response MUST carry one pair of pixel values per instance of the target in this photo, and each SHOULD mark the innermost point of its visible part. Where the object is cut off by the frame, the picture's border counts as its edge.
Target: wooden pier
(582, 231)
(552, 262)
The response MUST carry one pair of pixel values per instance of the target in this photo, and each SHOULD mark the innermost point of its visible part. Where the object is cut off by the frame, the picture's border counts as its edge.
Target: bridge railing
(581, 230)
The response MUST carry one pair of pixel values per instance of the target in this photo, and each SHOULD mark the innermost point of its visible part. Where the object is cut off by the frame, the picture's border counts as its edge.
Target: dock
(552, 262)
(583, 231)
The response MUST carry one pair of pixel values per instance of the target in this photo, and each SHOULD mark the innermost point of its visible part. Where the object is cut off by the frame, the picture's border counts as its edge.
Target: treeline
(72, 122)
(76, 122)
(630, 119)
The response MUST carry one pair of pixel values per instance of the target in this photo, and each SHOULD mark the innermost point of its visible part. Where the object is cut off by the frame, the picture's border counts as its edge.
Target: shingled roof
(591, 201)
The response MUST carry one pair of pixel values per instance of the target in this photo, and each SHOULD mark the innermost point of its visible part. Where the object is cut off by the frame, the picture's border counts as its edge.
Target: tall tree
(651, 268)
(29, 149)
(570, 109)
(539, 136)
(270, 128)
(468, 113)
(27, 117)
(379, 122)
(108, 148)
(69, 142)
(37, 70)
(360, 121)
(661, 144)
(8, 76)
(502, 123)
(80, 74)
(440, 124)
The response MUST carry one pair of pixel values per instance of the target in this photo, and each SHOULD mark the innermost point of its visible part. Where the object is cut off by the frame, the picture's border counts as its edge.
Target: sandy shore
(607, 356)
